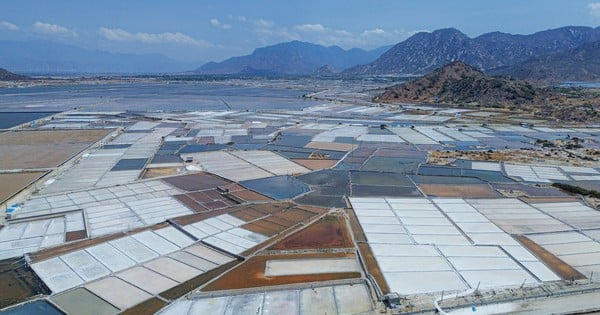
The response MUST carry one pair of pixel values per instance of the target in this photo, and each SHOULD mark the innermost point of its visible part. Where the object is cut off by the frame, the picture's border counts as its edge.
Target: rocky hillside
(424, 52)
(292, 58)
(579, 64)
(459, 83)
(6, 75)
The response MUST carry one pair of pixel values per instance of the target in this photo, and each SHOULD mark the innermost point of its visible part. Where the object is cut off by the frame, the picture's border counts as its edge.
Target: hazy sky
(215, 30)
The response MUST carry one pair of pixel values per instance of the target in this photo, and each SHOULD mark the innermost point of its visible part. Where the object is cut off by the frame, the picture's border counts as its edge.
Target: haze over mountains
(294, 57)
(550, 56)
(51, 57)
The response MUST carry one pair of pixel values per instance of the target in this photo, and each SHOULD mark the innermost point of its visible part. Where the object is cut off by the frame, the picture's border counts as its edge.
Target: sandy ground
(42, 149)
(475, 190)
(12, 183)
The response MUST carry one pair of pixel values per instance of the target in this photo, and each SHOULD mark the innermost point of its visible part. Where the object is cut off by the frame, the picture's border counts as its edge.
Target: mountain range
(424, 52)
(579, 64)
(293, 58)
(51, 57)
(550, 56)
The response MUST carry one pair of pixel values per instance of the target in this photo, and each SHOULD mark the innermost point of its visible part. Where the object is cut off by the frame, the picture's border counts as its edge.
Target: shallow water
(150, 96)
(38, 307)
(8, 120)
(278, 187)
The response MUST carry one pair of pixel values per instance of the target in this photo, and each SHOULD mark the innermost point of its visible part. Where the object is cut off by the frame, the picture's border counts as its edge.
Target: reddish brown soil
(373, 267)
(328, 232)
(159, 172)
(279, 221)
(295, 214)
(250, 274)
(357, 231)
(191, 203)
(195, 182)
(315, 164)
(231, 187)
(366, 253)
(249, 196)
(282, 219)
(248, 214)
(75, 235)
(559, 267)
(442, 190)
(206, 200)
(148, 307)
(265, 228)
(262, 209)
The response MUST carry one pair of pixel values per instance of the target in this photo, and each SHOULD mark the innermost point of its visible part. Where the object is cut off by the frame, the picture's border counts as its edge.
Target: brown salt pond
(195, 182)
(328, 232)
(445, 190)
(160, 172)
(559, 267)
(316, 164)
(12, 183)
(44, 149)
(366, 253)
(251, 273)
(18, 283)
(281, 221)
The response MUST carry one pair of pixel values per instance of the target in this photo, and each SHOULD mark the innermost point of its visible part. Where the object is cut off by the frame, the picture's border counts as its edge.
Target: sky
(196, 30)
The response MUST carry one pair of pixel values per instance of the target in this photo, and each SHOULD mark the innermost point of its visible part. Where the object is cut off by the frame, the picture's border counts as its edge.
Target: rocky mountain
(424, 51)
(579, 64)
(325, 70)
(6, 75)
(52, 57)
(459, 83)
(292, 58)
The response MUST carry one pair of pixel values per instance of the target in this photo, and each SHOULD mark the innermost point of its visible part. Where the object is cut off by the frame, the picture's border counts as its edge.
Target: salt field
(294, 206)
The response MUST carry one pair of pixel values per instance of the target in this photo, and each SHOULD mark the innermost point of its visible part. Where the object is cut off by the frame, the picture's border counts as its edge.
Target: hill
(424, 51)
(459, 83)
(579, 64)
(6, 75)
(292, 58)
(52, 57)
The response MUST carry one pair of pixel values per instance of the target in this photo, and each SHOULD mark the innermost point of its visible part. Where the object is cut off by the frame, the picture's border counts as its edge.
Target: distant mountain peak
(424, 51)
(295, 58)
(578, 64)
